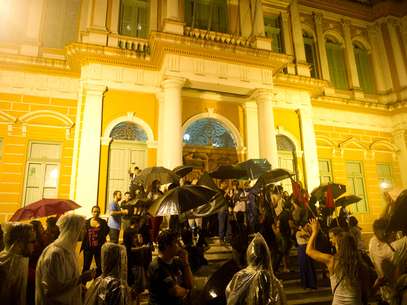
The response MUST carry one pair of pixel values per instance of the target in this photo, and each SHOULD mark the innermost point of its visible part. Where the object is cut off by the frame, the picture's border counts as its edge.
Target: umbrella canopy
(181, 199)
(347, 200)
(164, 175)
(44, 208)
(228, 172)
(207, 180)
(337, 190)
(273, 176)
(255, 167)
(183, 170)
(140, 203)
(217, 204)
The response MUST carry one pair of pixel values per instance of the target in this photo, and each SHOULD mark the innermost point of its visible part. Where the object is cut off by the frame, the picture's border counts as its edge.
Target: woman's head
(19, 237)
(114, 260)
(347, 257)
(333, 234)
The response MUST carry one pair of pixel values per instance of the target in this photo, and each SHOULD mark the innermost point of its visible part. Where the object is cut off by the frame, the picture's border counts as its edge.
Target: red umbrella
(44, 208)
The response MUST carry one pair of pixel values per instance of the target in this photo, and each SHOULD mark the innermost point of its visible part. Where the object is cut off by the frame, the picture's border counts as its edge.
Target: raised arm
(324, 258)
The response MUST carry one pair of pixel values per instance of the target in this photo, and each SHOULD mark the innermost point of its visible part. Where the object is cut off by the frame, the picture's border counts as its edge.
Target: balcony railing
(225, 38)
(138, 45)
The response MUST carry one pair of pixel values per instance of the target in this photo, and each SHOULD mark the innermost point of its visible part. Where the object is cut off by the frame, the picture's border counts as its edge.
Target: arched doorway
(287, 159)
(208, 143)
(127, 149)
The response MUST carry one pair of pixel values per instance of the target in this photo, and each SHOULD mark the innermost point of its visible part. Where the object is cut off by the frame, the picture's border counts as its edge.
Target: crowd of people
(41, 267)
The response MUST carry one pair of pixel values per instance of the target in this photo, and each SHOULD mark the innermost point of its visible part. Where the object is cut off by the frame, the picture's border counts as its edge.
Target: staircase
(296, 295)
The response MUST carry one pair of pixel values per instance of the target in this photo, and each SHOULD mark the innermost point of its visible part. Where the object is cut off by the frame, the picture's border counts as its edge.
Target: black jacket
(104, 231)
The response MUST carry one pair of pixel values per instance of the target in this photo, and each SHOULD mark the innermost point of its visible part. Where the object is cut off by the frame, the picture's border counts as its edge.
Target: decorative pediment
(383, 145)
(7, 118)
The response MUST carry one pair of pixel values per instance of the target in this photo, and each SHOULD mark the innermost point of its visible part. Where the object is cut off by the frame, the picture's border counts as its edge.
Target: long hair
(348, 263)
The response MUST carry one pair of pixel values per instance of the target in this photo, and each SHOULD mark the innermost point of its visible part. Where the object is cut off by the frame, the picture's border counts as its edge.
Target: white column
(288, 45)
(381, 48)
(300, 59)
(321, 47)
(252, 130)
(397, 53)
(267, 132)
(93, 22)
(114, 16)
(87, 179)
(98, 15)
(310, 148)
(160, 147)
(350, 56)
(399, 137)
(31, 43)
(376, 60)
(170, 123)
(403, 29)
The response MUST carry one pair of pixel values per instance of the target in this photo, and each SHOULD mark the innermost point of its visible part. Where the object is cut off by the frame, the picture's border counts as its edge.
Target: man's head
(167, 243)
(19, 238)
(95, 211)
(380, 227)
(117, 196)
(127, 196)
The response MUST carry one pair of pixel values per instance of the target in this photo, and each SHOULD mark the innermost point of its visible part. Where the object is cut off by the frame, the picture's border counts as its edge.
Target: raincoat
(57, 276)
(110, 288)
(256, 284)
(14, 266)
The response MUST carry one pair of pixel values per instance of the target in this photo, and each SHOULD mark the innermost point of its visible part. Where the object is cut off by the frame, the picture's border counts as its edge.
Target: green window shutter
(337, 65)
(208, 15)
(364, 68)
(272, 29)
(356, 185)
(310, 56)
(219, 17)
(134, 18)
(325, 171)
(188, 12)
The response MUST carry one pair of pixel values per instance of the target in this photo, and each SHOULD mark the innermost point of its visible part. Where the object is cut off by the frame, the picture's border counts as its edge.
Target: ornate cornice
(311, 85)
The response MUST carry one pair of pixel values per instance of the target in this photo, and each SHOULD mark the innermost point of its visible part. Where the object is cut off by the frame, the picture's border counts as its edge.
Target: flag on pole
(329, 200)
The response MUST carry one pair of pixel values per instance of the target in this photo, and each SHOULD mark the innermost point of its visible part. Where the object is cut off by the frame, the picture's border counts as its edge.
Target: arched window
(209, 132)
(336, 63)
(364, 66)
(134, 18)
(311, 54)
(286, 158)
(60, 23)
(128, 131)
(208, 15)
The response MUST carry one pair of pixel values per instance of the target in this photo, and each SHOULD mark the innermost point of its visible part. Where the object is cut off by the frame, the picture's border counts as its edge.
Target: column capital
(305, 113)
(346, 22)
(173, 82)
(394, 21)
(250, 106)
(262, 94)
(94, 89)
(317, 17)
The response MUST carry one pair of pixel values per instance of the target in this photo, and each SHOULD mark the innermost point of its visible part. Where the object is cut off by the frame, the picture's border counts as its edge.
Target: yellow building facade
(89, 89)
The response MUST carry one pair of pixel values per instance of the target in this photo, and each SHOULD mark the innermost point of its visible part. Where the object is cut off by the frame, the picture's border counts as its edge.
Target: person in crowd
(19, 242)
(256, 284)
(96, 231)
(240, 239)
(110, 288)
(153, 193)
(277, 199)
(307, 269)
(389, 256)
(39, 245)
(115, 217)
(356, 231)
(223, 226)
(348, 273)
(195, 252)
(1, 239)
(57, 276)
(170, 274)
(285, 231)
(139, 256)
(52, 231)
(124, 205)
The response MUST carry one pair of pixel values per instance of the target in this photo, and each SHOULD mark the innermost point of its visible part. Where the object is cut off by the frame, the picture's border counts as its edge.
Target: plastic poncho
(57, 276)
(256, 284)
(14, 266)
(110, 288)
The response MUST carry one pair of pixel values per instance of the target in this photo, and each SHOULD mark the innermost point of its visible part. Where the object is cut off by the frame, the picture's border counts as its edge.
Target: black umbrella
(255, 167)
(347, 200)
(273, 176)
(207, 180)
(337, 190)
(181, 199)
(164, 175)
(228, 172)
(142, 203)
(398, 216)
(217, 204)
(183, 170)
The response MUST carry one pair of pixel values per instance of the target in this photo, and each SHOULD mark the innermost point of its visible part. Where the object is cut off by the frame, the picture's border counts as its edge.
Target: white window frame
(44, 163)
(326, 174)
(362, 174)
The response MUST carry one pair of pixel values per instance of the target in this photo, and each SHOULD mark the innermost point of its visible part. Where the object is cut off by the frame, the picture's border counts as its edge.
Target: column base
(291, 69)
(29, 50)
(94, 37)
(303, 69)
(263, 43)
(173, 27)
(358, 94)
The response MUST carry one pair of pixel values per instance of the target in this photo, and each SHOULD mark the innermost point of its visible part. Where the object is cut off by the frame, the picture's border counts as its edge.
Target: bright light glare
(54, 173)
(187, 137)
(213, 293)
(384, 185)
(5, 8)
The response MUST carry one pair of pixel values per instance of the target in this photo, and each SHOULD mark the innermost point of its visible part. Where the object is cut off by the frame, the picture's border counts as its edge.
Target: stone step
(300, 293)
(320, 300)
(321, 282)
